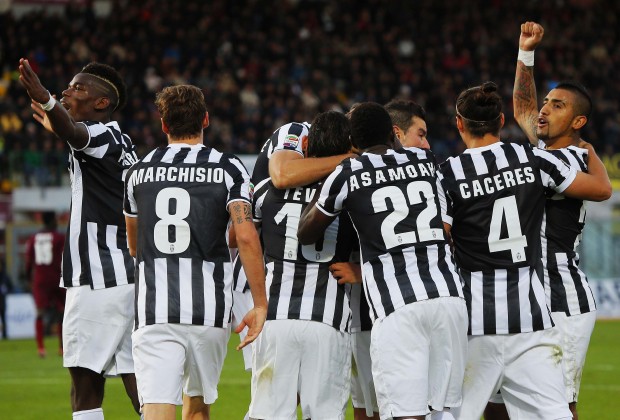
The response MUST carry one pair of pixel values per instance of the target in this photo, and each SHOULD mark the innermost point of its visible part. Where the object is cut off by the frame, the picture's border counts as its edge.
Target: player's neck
(190, 140)
(562, 141)
(378, 149)
(472, 142)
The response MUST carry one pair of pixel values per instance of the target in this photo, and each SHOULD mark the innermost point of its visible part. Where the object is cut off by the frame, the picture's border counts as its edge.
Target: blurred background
(265, 63)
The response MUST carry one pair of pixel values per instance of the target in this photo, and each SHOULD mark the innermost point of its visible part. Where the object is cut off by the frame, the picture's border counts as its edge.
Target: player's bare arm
(251, 256)
(288, 169)
(524, 92)
(346, 272)
(57, 119)
(593, 185)
(132, 234)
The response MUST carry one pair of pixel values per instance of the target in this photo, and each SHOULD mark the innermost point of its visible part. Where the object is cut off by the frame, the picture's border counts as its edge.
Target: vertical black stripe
(121, 243)
(466, 281)
(299, 279)
(421, 254)
(135, 299)
(488, 302)
(537, 317)
(220, 294)
(85, 272)
(512, 293)
(446, 271)
(198, 292)
(490, 161)
(320, 292)
(584, 306)
(511, 156)
(402, 278)
(67, 262)
(107, 267)
(274, 289)
(365, 320)
(339, 312)
(180, 156)
(174, 294)
(469, 169)
(236, 270)
(558, 291)
(159, 154)
(386, 301)
(149, 279)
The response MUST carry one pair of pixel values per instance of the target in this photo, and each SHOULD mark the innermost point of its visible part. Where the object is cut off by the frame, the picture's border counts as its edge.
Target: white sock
(94, 414)
(445, 414)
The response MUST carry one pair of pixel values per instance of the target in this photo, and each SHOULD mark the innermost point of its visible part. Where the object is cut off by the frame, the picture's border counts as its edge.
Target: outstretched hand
(41, 116)
(254, 320)
(531, 35)
(29, 79)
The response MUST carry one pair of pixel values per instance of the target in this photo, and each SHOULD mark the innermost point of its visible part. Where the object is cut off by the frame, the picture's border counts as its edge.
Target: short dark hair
(583, 102)
(112, 79)
(480, 108)
(370, 125)
(183, 109)
(402, 112)
(330, 135)
(49, 218)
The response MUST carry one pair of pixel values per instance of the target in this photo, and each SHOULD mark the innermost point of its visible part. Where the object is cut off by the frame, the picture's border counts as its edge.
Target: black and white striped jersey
(299, 283)
(566, 286)
(360, 311)
(497, 197)
(95, 251)
(394, 203)
(180, 195)
(287, 137)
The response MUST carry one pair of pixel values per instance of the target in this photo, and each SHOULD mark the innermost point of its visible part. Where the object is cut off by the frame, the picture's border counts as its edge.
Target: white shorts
(171, 358)
(526, 367)
(97, 327)
(418, 357)
(362, 386)
(308, 358)
(242, 304)
(575, 332)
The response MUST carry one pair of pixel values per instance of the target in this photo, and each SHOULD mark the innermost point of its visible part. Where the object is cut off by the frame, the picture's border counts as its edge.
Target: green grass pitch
(34, 389)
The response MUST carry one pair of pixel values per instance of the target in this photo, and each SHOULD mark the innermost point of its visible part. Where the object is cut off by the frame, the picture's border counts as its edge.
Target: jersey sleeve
(289, 137)
(99, 138)
(554, 173)
(259, 197)
(130, 208)
(333, 193)
(445, 202)
(237, 181)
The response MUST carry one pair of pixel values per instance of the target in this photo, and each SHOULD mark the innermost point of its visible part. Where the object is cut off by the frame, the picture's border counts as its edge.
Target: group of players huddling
(418, 289)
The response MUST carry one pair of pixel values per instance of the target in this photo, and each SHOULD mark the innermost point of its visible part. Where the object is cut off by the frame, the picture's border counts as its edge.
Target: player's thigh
(325, 371)
(207, 348)
(362, 385)
(483, 374)
(575, 333)
(399, 349)
(533, 385)
(159, 353)
(448, 352)
(276, 361)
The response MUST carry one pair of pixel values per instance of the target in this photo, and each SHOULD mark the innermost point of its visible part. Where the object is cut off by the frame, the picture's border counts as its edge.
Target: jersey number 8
(161, 232)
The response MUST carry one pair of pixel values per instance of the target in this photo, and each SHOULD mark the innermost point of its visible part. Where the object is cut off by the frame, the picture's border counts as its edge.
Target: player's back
(394, 203)
(45, 255)
(298, 278)
(180, 195)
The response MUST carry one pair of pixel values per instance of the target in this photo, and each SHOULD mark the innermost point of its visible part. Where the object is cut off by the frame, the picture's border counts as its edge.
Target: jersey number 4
(506, 209)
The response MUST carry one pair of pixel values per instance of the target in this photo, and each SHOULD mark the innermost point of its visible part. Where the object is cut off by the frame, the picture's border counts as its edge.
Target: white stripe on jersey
(547, 179)
(141, 298)
(480, 164)
(185, 290)
(477, 307)
(389, 273)
(209, 291)
(170, 154)
(520, 152)
(245, 188)
(94, 260)
(330, 296)
(75, 223)
(118, 259)
(501, 297)
(373, 291)
(457, 168)
(97, 152)
(161, 290)
(312, 272)
(501, 161)
(524, 297)
(286, 289)
(148, 157)
(215, 156)
(192, 155)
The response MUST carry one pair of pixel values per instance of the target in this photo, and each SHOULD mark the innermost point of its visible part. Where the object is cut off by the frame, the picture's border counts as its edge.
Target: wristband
(527, 57)
(50, 104)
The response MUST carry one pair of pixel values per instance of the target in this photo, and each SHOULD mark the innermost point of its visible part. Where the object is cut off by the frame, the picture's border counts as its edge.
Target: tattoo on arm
(524, 100)
(241, 212)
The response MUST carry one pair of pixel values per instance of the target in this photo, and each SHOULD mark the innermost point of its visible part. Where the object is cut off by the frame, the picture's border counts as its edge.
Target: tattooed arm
(251, 256)
(524, 92)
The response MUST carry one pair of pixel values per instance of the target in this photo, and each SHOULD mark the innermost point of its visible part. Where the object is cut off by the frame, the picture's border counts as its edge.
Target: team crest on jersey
(291, 141)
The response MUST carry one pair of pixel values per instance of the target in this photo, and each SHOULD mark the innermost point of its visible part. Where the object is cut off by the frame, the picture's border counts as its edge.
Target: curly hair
(112, 79)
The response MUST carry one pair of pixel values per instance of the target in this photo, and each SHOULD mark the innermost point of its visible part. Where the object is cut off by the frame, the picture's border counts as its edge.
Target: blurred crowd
(264, 63)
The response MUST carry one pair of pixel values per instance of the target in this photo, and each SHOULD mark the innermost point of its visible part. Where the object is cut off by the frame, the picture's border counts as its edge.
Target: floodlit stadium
(261, 65)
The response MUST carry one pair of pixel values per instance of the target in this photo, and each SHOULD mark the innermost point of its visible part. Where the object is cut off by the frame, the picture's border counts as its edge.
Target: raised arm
(593, 185)
(288, 169)
(251, 256)
(54, 117)
(524, 93)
